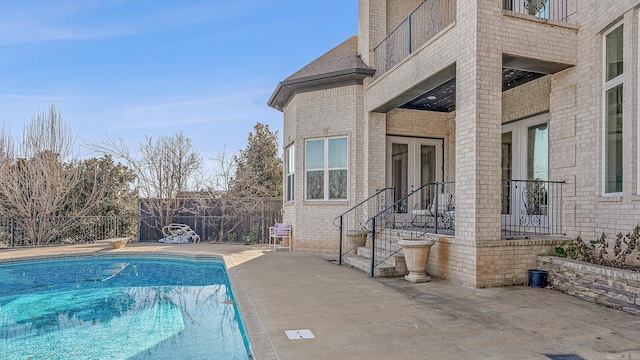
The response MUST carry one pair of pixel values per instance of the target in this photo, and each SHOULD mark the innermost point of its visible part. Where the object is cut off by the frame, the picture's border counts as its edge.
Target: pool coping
(100, 253)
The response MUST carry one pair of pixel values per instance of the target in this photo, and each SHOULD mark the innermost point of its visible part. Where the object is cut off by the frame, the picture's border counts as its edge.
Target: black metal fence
(216, 223)
(36, 230)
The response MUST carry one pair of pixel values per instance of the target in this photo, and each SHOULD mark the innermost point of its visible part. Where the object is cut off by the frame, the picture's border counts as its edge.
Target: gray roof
(337, 67)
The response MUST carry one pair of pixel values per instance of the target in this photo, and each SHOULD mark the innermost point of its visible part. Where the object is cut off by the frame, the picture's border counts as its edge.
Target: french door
(411, 163)
(525, 157)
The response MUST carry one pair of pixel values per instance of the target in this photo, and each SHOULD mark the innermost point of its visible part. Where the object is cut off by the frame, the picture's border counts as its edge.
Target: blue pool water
(119, 308)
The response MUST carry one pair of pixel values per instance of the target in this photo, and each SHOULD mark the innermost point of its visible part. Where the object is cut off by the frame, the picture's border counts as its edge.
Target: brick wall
(397, 12)
(318, 114)
(528, 99)
(576, 132)
(374, 152)
(487, 264)
(454, 260)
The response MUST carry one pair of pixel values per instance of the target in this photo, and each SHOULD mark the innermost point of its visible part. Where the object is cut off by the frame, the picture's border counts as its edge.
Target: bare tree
(227, 221)
(167, 168)
(226, 168)
(40, 179)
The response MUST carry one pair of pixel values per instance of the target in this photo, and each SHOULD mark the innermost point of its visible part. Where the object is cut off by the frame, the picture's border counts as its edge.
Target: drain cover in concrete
(299, 334)
(565, 357)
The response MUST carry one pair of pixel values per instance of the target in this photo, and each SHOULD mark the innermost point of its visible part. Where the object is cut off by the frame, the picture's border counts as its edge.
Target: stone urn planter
(416, 254)
(357, 238)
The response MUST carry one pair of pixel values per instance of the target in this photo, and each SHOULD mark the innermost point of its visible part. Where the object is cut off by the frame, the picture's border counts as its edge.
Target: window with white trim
(326, 169)
(613, 86)
(289, 160)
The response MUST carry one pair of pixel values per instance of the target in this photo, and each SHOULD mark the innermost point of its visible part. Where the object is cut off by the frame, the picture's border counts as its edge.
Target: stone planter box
(612, 287)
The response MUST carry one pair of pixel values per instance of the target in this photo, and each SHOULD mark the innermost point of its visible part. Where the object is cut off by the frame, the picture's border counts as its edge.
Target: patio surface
(353, 316)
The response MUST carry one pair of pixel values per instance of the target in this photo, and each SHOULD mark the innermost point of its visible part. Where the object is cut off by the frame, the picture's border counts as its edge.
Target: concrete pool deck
(353, 316)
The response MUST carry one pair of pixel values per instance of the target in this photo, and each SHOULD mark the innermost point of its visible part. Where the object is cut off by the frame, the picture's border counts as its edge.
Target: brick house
(523, 111)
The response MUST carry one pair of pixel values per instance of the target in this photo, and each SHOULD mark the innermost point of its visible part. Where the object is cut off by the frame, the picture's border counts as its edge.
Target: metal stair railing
(427, 209)
(351, 221)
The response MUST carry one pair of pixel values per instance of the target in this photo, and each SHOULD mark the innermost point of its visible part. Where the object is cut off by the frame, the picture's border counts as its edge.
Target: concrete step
(391, 267)
(364, 264)
(380, 254)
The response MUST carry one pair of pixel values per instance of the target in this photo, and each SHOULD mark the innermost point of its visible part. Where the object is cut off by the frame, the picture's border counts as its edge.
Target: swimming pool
(108, 307)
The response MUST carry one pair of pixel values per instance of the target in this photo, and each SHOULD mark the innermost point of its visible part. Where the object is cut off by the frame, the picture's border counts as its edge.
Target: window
(326, 169)
(613, 86)
(289, 159)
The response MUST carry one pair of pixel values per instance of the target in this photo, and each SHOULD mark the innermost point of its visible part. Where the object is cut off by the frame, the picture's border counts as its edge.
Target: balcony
(557, 10)
(427, 20)
(433, 16)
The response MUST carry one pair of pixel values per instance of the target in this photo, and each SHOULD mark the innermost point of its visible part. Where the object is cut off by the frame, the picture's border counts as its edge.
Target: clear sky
(131, 68)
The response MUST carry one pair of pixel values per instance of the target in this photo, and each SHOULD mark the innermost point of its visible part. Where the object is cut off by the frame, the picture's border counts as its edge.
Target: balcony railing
(531, 207)
(545, 9)
(427, 20)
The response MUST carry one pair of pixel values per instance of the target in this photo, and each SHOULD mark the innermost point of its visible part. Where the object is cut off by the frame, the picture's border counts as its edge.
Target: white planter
(416, 255)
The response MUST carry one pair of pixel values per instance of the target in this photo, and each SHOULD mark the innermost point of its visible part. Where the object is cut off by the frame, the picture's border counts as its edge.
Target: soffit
(516, 70)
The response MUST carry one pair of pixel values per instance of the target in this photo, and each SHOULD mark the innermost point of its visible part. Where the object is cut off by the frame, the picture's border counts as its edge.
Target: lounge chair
(179, 230)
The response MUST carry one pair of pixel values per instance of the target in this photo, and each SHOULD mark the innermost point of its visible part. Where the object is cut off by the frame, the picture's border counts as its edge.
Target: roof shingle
(335, 67)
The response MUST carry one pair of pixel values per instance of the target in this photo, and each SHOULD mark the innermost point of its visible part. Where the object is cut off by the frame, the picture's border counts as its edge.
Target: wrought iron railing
(531, 207)
(422, 24)
(427, 209)
(350, 224)
(16, 231)
(544, 9)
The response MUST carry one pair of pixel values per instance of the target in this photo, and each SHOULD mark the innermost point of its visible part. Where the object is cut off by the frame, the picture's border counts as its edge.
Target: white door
(411, 163)
(525, 156)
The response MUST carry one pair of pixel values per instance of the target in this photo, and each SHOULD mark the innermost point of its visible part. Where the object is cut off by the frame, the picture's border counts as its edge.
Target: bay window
(326, 168)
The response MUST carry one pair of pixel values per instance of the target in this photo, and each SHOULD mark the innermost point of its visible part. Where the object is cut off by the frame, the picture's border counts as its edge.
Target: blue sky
(130, 68)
